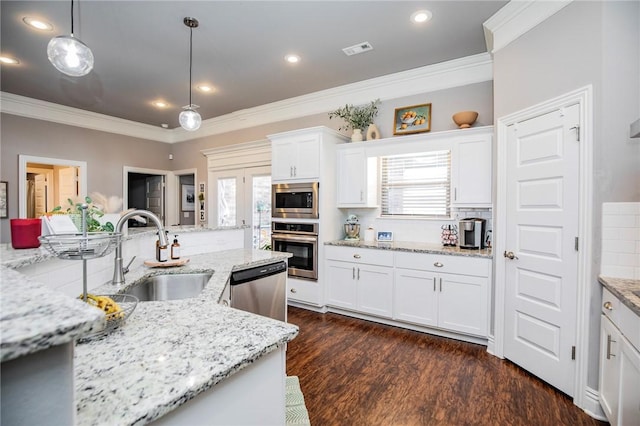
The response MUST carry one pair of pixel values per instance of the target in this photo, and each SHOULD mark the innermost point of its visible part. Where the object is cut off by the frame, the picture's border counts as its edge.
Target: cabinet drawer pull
(609, 341)
(356, 256)
(608, 306)
(293, 290)
(438, 265)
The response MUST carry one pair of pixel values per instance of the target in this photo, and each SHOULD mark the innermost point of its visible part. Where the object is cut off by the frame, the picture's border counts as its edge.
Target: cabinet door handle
(295, 171)
(356, 256)
(608, 306)
(361, 195)
(440, 285)
(290, 171)
(434, 283)
(293, 290)
(353, 273)
(358, 274)
(609, 341)
(455, 194)
(438, 265)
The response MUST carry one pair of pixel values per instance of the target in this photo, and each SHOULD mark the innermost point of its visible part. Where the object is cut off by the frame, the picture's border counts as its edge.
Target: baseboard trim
(591, 404)
(319, 309)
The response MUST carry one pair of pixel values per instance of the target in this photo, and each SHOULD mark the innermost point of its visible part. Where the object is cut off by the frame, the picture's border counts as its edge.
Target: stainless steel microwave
(295, 200)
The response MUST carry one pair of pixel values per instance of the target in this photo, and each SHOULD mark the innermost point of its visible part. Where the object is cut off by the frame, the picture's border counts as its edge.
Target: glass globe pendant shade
(70, 56)
(190, 119)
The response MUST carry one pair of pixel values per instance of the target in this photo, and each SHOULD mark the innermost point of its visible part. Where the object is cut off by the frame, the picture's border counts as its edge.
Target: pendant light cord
(71, 18)
(190, 61)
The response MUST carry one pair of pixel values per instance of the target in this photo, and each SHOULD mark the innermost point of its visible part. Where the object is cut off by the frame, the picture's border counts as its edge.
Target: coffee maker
(472, 233)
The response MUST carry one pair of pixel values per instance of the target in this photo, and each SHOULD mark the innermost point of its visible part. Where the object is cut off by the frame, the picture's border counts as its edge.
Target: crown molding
(48, 111)
(458, 72)
(516, 18)
(444, 75)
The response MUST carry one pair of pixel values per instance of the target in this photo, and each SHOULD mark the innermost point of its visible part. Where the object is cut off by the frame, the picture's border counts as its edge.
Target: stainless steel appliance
(301, 240)
(472, 233)
(261, 290)
(295, 200)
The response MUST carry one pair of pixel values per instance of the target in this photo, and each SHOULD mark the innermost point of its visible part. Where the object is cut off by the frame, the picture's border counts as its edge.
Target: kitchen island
(172, 354)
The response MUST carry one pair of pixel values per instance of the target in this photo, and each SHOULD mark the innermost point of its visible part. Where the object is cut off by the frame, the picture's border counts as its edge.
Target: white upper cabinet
(357, 178)
(471, 172)
(295, 157)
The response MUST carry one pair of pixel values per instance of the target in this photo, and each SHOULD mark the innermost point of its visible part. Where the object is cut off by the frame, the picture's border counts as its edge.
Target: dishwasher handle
(256, 273)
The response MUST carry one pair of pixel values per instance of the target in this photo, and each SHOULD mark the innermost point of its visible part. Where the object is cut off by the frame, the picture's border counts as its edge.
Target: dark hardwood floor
(355, 372)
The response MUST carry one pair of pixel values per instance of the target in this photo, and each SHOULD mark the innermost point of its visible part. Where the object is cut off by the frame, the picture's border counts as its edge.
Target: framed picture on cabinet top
(384, 236)
(412, 119)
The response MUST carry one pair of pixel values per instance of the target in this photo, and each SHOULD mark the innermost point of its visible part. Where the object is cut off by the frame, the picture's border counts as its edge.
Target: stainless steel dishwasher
(261, 290)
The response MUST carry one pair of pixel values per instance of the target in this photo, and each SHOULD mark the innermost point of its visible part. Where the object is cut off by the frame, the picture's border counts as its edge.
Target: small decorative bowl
(465, 119)
(127, 303)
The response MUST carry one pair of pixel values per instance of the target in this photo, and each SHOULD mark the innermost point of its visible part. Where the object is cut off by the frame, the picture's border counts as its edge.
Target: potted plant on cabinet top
(357, 118)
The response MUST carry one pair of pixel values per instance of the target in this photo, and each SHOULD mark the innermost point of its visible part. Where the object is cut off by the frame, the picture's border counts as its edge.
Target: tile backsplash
(621, 240)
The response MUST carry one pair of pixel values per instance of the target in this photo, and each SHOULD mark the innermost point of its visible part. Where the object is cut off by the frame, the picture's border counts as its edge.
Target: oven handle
(294, 237)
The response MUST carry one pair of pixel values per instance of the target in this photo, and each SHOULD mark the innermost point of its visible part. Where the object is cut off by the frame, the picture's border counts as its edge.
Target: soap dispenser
(175, 248)
(162, 252)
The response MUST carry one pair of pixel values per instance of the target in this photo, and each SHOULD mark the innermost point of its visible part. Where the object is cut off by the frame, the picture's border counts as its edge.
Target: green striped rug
(297, 414)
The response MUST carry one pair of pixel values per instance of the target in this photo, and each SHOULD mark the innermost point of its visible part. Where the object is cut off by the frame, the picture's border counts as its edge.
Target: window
(416, 185)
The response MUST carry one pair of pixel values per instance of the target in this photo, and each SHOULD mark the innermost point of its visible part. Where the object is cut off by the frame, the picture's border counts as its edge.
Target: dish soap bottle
(162, 252)
(175, 248)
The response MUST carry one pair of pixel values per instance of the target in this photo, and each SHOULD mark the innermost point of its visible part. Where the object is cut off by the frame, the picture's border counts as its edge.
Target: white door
(242, 197)
(541, 231)
(67, 184)
(154, 195)
(40, 195)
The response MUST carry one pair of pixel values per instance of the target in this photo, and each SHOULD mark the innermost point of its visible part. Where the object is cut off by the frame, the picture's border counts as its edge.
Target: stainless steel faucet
(118, 270)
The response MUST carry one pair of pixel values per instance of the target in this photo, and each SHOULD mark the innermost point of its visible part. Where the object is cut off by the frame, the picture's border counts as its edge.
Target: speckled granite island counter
(414, 247)
(170, 351)
(167, 357)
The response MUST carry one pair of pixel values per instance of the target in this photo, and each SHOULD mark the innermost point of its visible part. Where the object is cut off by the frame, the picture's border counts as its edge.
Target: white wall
(585, 43)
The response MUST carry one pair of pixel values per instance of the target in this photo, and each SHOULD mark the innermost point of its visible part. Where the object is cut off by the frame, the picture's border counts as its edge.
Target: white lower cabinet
(448, 301)
(303, 291)
(619, 363)
(360, 280)
(414, 288)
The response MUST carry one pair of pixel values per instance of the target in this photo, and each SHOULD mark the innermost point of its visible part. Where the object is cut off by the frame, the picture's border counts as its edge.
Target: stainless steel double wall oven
(300, 238)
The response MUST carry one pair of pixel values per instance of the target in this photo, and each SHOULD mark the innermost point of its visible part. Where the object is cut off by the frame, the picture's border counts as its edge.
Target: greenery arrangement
(93, 213)
(356, 117)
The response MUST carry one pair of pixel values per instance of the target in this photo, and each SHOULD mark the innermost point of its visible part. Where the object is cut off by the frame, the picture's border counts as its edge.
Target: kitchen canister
(25, 233)
(369, 234)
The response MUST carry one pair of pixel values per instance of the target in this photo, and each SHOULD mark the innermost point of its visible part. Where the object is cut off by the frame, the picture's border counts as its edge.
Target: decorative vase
(465, 119)
(357, 135)
(372, 132)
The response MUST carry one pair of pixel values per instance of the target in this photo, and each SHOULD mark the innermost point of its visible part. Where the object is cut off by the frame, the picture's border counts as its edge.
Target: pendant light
(189, 118)
(69, 55)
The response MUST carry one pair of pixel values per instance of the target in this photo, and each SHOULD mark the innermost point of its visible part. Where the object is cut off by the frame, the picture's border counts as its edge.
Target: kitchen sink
(170, 286)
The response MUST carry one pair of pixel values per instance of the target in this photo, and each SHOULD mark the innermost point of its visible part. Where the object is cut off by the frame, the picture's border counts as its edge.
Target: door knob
(510, 255)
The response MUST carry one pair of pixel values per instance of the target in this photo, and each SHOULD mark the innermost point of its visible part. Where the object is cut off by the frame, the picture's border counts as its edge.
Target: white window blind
(416, 185)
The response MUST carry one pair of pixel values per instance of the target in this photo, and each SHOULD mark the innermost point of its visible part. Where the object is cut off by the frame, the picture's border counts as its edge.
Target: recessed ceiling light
(9, 61)
(421, 16)
(292, 59)
(205, 88)
(37, 23)
(160, 104)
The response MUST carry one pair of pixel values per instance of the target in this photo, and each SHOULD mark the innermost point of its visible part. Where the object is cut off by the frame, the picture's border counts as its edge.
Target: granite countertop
(623, 289)
(414, 247)
(33, 318)
(14, 259)
(170, 351)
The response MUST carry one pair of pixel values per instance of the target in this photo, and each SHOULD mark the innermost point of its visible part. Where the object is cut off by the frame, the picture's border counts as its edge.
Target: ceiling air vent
(358, 48)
